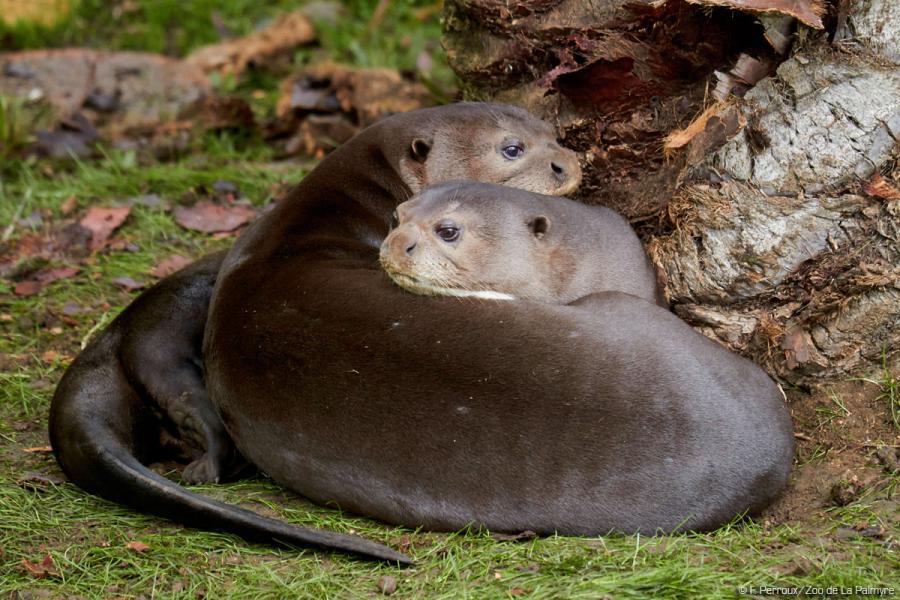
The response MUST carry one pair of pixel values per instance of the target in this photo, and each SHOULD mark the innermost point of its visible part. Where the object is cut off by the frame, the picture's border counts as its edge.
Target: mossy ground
(810, 545)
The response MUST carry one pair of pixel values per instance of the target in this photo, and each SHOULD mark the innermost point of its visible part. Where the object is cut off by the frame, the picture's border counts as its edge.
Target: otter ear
(419, 149)
(539, 226)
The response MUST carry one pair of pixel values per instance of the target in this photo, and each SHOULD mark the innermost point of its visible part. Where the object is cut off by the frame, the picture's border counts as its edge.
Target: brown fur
(576, 250)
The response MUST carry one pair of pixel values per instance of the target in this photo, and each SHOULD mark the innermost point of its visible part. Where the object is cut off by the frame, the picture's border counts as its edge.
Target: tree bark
(753, 144)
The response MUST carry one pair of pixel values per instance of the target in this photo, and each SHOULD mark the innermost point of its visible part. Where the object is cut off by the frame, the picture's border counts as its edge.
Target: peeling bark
(809, 12)
(773, 216)
(785, 239)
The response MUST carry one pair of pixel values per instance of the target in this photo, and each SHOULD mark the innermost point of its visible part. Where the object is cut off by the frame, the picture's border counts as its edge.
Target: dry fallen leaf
(101, 222)
(49, 356)
(128, 284)
(39, 280)
(877, 187)
(137, 546)
(796, 345)
(27, 288)
(213, 218)
(46, 276)
(45, 568)
(38, 449)
(169, 265)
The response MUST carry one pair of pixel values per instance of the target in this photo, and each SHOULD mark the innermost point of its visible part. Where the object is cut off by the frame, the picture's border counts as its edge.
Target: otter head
(465, 239)
(492, 143)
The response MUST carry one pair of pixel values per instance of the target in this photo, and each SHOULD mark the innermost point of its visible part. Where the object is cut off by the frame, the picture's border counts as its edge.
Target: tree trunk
(752, 143)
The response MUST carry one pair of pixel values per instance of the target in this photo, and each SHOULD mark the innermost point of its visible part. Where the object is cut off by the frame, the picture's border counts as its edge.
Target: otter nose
(404, 239)
(566, 170)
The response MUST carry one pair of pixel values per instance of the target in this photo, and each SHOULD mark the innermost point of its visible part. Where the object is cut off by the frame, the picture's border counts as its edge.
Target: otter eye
(513, 151)
(447, 231)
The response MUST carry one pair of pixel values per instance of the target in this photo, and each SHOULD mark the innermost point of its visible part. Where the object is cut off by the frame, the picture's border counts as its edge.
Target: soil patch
(845, 443)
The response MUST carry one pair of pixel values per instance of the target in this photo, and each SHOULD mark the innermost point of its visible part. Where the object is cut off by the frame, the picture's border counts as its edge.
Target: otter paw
(203, 470)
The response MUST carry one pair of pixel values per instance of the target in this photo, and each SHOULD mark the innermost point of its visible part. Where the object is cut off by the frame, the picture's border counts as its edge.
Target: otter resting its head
(495, 143)
(475, 240)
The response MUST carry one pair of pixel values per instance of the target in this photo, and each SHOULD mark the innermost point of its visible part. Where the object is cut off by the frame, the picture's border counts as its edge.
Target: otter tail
(97, 424)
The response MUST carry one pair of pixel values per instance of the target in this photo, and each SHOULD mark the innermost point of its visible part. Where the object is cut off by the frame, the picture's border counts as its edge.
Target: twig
(378, 15)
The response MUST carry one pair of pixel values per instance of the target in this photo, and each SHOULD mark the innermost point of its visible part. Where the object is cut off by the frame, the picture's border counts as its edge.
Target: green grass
(176, 27)
(86, 537)
(13, 127)
(889, 386)
(87, 540)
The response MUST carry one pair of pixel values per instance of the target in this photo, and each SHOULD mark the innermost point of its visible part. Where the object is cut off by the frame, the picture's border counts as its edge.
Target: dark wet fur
(140, 376)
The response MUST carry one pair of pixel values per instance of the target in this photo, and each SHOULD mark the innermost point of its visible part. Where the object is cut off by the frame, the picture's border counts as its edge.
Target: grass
(830, 413)
(889, 386)
(17, 120)
(86, 537)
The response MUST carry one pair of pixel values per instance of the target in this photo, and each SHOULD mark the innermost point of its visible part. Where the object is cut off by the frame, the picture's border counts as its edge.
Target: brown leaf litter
(137, 546)
(41, 570)
(169, 265)
(877, 187)
(213, 218)
(101, 222)
(322, 106)
(41, 279)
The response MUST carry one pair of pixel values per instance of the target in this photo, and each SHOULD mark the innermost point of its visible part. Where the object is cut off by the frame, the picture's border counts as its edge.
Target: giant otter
(606, 414)
(470, 239)
(103, 414)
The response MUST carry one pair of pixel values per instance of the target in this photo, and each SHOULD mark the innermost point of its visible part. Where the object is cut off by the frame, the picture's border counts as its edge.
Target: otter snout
(566, 170)
(400, 245)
